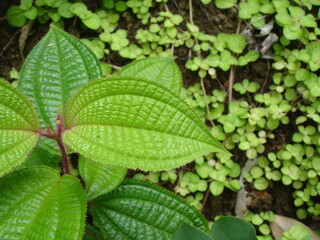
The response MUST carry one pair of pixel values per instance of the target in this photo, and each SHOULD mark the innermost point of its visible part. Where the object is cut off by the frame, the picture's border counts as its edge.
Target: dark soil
(278, 198)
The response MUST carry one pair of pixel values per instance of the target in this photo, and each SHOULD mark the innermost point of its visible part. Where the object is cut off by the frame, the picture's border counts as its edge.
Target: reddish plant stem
(58, 138)
(64, 154)
(65, 157)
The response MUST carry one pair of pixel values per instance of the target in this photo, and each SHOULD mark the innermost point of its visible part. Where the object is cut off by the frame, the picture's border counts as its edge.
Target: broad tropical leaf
(37, 204)
(187, 232)
(55, 68)
(162, 70)
(100, 178)
(140, 210)
(135, 123)
(18, 128)
(231, 228)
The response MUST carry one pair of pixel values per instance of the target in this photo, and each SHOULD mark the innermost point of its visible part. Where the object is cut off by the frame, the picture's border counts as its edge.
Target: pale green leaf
(18, 128)
(135, 123)
(100, 178)
(225, 4)
(140, 210)
(36, 203)
(54, 69)
(92, 22)
(162, 70)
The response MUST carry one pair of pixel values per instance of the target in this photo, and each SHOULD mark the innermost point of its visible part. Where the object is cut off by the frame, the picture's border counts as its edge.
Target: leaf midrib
(125, 94)
(144, 129)
(129, 155)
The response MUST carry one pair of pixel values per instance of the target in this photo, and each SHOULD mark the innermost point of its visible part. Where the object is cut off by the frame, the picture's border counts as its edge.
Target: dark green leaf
(139, 210)
(188, 232)
(231, 228)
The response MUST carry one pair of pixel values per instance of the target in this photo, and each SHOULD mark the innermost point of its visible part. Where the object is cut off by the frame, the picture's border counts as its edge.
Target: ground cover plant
(250, 69)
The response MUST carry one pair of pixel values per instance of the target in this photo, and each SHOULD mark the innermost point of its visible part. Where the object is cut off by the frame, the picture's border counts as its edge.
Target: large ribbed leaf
(100, 178)
(139, 210)
(135, 123)
(37, 204)
(54, 69)
(18, 127)
(162, 70)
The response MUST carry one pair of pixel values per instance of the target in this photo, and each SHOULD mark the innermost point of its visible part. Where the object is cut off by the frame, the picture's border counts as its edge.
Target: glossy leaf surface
(231, 228)
(18, 128)
(55, 68)
(100, 178)
(37, 204)
(141, 210)
(187, 232)
(135, 123)
(161, 70)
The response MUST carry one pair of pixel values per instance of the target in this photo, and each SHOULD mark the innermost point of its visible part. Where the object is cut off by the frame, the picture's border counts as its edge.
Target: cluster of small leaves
(45, 10)
(141, 8)
(161, 34)
(248, 126)
(261, 221)
(296, 163)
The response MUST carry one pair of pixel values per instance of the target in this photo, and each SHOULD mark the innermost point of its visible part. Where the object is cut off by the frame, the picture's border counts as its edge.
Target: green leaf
(135, 123)
(65, 10)
(31, 13)
(54, 69)
(162, 70)
(216, 188)
(231, 228)
(92, 22)
(25, 4)
(36, 203)
(141, 210)
(261, 184)
(18, 128)
(100, 178)
(16, 17)
(188, 232)
(224, 4)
